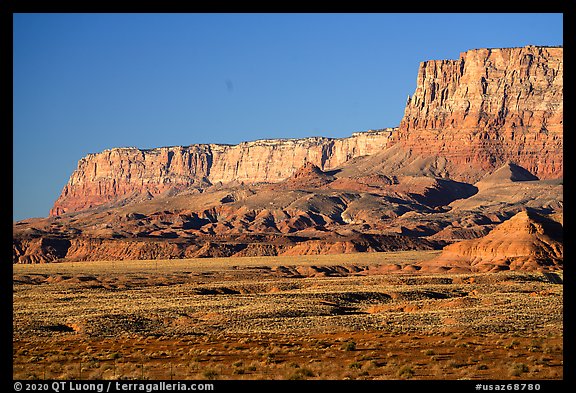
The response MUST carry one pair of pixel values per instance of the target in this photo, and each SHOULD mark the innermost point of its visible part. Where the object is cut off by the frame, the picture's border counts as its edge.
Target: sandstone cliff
(488, 107)
(131, 172)
(467, 118)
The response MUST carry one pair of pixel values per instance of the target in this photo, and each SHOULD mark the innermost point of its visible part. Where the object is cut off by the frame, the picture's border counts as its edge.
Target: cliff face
(488, 107)
(122, 172)
(466, 118)
(130, 172)
(275, 160)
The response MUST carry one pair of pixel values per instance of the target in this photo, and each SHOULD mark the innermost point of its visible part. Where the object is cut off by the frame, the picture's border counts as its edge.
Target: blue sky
(87, 82)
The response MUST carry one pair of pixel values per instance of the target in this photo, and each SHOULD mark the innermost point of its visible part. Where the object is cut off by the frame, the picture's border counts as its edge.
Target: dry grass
(258, 318)
(215, 264)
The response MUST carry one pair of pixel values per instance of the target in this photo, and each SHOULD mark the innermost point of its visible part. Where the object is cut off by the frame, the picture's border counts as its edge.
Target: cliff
(133, 173)
(488, 107)
(466, 118)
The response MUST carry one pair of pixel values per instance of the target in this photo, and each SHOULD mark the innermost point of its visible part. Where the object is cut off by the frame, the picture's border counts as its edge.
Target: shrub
(349, 346)
(455, 364)
(306, 372)
(323, 344)
(518, 369)
(406, 372)
(210, 374)
(513, 344)
(302, 373)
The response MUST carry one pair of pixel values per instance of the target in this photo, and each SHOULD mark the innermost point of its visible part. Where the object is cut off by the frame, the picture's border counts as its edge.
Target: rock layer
(129, 172)
(488, 107)
(527, 241)
(466, 118)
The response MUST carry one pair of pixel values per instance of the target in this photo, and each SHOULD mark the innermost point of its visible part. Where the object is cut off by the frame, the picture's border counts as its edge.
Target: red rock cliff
(488, 107)
(471, 115)
(130, 172)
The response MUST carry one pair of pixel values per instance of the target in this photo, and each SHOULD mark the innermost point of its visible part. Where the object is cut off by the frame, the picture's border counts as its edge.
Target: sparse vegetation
(349, 346)
(210, 374)
(146, 334)
(512, 344)
(457, 364)
(302, 373)
(406, 372)
(518, 369)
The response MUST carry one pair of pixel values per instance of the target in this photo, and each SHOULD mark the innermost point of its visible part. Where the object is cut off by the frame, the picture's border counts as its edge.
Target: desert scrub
(210, 374)
(378, 363)
(513, 344)
(322, 344)
(271, 359)
(518, 369)
(355, 365)
(406, 372)
(543, 361)
(302, 373)
(369, 356)
(349, 346)
(535, 348)
(455, 364)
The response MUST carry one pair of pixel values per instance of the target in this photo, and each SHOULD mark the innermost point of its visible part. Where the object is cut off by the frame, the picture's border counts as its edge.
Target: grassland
(305, 317)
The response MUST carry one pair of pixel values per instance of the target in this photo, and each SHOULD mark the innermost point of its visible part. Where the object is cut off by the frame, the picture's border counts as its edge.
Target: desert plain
(287, 317)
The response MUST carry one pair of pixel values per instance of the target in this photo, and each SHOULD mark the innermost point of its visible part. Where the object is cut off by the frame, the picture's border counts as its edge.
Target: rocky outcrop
(486, 108)
(134, 173)
(39, 250)
(528, 241)
(310, 176)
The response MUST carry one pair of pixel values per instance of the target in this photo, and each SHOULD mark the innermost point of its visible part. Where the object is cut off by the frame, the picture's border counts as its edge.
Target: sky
(84, 83)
